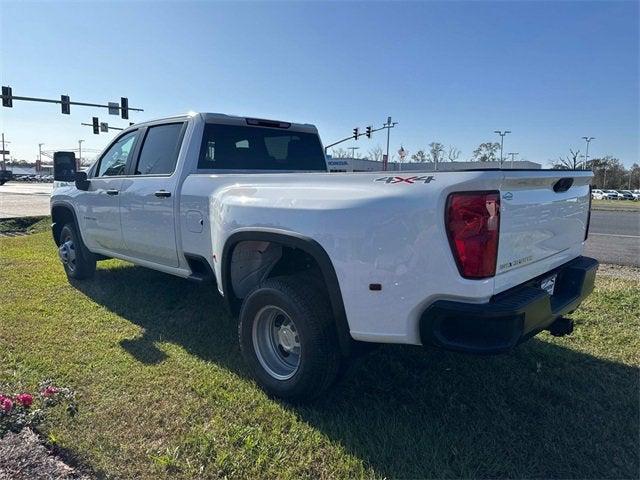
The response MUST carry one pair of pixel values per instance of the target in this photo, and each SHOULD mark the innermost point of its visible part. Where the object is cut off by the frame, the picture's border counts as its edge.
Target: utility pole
(79, 153)
(389, 125)
(502, 134)
(4, 152)
(586, 155)
(353, 151)
(513, 154)
(39, 163)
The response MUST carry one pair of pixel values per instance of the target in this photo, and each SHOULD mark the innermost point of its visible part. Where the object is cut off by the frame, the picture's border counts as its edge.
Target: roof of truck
(225, 119)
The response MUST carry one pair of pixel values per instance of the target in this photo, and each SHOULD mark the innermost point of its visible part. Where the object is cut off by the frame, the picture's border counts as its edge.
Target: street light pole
(389, 125)
(502, 134)
(586, 155)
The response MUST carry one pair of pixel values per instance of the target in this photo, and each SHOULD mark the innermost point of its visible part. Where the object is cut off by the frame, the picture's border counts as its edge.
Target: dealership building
(366, 165)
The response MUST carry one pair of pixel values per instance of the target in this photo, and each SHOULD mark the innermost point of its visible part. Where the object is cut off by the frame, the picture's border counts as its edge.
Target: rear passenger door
(148, 195)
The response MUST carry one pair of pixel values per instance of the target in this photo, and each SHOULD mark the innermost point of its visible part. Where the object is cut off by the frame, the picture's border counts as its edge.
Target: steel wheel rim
(276, 342)
(67, 253)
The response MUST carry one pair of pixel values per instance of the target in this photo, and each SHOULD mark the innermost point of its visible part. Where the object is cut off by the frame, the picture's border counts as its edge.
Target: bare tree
(420, 157)
(376, 153)
(453, 153)
(436, 152)
(340, 153)
(570, 162)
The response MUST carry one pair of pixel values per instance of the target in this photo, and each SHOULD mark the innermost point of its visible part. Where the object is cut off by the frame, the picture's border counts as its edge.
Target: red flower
(49, 391)
(25, 399)
(6, 404)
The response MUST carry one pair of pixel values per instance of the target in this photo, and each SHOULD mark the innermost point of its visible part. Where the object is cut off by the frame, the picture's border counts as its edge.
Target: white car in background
(613, 195)
(629, 195)
(597, 194)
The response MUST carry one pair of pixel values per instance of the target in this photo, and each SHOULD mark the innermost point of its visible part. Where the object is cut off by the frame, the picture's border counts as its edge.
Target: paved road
(24, 199)
(614, 236)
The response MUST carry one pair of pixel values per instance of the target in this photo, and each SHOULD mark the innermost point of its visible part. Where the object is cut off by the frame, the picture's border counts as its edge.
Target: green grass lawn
(615, 205)
(163, 393)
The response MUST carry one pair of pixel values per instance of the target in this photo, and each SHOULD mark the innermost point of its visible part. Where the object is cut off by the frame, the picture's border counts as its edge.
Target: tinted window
(259, 148)
(114, 161)
(160, 150)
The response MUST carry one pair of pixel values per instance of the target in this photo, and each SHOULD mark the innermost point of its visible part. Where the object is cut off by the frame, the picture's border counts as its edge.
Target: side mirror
(81, 181)
(64, 166)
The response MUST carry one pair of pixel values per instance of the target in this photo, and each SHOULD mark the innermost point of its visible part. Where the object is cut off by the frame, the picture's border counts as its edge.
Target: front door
(100, 205)
(148, 196)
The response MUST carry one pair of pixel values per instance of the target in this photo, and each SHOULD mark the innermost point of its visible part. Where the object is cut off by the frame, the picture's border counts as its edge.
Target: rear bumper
(510, 317)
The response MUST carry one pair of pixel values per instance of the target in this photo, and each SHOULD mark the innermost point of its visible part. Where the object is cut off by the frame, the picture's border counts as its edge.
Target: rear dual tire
(288, 338)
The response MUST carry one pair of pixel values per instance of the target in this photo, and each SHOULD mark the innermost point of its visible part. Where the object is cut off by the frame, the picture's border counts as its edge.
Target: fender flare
(300, 242)
(67, 206)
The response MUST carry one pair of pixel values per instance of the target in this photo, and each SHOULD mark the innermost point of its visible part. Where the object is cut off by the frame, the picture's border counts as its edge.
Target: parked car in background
(5, 176)
(598, 194)
(612, 195)
(627, 195)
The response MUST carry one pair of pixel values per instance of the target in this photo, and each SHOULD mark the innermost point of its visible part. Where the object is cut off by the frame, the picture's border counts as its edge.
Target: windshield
(258, 148)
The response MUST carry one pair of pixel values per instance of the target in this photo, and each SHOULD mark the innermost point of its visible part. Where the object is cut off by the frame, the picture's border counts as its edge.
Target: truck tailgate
(543, 218)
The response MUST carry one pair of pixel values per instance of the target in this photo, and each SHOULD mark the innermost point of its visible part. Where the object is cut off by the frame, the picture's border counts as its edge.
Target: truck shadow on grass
(543, 411)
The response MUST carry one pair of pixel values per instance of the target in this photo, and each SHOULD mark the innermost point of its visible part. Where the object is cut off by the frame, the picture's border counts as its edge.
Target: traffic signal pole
(8, 97)
(356, 135)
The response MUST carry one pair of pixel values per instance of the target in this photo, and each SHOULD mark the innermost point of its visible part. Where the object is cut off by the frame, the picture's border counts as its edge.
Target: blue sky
(447, 71)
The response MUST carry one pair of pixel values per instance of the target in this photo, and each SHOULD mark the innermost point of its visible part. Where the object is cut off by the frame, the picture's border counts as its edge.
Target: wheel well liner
(62, 213)
(296, 241)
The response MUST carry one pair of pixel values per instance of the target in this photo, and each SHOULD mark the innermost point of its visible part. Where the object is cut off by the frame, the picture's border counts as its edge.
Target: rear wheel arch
(298, 243)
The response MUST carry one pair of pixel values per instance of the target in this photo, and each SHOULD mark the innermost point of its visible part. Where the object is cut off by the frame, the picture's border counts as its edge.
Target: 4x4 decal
(423, 179)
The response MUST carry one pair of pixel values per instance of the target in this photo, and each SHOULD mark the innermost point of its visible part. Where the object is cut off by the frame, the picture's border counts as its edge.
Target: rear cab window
(160, 149)
(237, 147)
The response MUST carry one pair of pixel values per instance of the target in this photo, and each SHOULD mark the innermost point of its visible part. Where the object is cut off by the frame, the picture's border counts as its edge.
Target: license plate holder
(549, 284)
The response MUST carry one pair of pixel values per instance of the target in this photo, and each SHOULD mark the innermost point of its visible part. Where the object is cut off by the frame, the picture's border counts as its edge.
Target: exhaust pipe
(561, 327)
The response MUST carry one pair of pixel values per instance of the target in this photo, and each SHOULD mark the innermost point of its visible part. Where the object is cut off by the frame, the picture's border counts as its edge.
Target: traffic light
(355, 133)
(96, 125)
(124, 107)
(7, 101)
(66, 105)
(369, 128)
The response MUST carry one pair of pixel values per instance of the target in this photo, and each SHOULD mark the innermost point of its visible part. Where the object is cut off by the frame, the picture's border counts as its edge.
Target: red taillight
(473, 227)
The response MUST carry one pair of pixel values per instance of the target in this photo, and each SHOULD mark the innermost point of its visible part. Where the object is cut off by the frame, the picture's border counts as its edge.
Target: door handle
(112, 192)
(162, 193)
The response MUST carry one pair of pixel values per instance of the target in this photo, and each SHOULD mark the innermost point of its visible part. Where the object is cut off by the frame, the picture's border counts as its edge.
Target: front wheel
(288, 338)
(77, 261)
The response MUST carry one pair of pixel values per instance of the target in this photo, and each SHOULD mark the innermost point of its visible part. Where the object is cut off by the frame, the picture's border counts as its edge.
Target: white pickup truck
(314, 262)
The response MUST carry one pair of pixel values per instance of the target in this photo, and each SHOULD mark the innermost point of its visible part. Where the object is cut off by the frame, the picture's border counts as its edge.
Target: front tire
(288, 338)
(78, 262)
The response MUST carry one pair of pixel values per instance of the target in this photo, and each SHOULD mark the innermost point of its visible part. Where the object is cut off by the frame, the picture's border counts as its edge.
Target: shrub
(20, 410)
